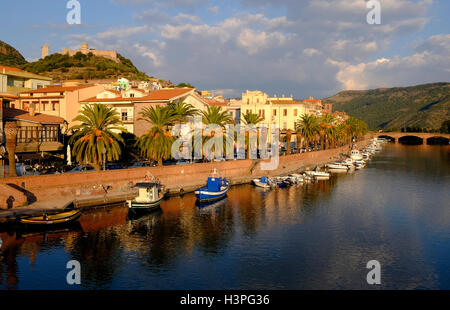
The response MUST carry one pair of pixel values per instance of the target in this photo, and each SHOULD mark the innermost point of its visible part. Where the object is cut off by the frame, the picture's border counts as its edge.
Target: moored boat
(216, 188)
(149, 197)
(263, 182)
(50, 220)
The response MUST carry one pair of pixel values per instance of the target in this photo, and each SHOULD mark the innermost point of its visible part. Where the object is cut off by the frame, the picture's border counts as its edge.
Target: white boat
(263, 182)
(356, 155)
(149, 197)
(296, 178)
(318, 174)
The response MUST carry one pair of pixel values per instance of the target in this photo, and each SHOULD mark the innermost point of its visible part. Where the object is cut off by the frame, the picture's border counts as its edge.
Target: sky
(299, 47)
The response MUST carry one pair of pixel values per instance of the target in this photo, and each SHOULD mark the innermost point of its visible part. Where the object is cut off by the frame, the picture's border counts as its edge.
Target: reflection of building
(37, 132)
(14, 80)
(62, 101)
(130, 103)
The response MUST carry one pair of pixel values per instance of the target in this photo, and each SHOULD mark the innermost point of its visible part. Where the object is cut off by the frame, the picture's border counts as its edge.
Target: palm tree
(355, 128)
(97, 138)
(11, 130)
(156, 143)
(250, 119)
(327, 130)
(308, 126)
(182, 111)
(213, 115)
(288, 141)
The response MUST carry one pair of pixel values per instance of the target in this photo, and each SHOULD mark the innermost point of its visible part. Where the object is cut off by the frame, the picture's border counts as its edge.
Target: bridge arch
(438, 140)
(411, 140)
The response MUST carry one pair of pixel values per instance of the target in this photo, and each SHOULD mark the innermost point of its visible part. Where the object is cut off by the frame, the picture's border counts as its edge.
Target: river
(316, 236)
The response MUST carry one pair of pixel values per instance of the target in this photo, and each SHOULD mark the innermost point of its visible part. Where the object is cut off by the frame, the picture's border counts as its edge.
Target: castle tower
(84, 48)
(44, 51)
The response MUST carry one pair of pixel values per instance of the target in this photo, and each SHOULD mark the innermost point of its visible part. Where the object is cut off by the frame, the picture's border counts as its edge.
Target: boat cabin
(148, 192)
(215, 184)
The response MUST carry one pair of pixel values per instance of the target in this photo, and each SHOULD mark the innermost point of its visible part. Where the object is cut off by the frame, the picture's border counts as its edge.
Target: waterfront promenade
(47, 190)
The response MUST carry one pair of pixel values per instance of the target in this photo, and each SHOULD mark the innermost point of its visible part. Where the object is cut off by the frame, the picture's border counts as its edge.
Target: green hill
(425, 106)
(64, 67)
(9, 56)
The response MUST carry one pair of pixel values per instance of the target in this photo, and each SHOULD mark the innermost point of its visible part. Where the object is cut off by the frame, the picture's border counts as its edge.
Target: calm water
(317, 236)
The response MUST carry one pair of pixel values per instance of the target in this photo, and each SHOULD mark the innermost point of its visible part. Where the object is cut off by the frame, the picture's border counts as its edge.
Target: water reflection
(313, 236)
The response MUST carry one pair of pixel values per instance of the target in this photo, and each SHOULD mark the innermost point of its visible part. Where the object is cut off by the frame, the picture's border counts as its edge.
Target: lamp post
(11, 131)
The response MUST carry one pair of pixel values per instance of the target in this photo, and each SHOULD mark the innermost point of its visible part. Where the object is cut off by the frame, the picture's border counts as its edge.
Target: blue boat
(215, 189)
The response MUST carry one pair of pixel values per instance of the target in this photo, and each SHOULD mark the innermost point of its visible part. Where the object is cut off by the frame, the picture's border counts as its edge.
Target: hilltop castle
(113, 55)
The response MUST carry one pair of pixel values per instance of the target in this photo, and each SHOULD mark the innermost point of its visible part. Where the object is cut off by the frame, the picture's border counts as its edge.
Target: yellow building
(284, 112)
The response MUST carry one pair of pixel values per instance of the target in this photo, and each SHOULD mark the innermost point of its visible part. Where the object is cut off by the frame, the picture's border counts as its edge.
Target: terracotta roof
(57, 89)
(215, 102)
(11, 69)
(39, 98)
(167, 94)
(40, 118)
(8, 96)
(156, 95)
(285, 102)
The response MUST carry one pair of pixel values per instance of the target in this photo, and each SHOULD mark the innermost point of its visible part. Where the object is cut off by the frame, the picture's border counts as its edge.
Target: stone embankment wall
(17, 192)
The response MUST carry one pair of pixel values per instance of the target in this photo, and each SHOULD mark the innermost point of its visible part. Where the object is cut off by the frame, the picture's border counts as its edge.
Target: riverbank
(88, 188)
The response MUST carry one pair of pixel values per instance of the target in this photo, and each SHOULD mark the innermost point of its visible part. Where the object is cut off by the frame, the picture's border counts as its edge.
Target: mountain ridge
(424, 105)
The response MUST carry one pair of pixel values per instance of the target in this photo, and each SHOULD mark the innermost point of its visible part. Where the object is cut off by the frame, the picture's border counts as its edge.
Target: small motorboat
(295, 178)
(356, 155)
(317, 174)
(149, 197)
(338, 165)
(263, 182)
(49, 220)
(216, 188)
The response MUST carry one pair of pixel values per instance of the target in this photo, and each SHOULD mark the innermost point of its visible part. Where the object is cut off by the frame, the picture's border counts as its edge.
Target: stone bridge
(426, 138)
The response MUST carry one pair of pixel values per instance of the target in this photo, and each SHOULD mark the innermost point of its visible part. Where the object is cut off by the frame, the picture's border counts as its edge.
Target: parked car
(113, 166)
(82, 168)
(142, 164)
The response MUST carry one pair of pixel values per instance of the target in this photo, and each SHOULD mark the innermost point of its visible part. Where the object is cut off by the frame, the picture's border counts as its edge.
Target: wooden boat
(149, 197)
(46, 219)
(216, 188)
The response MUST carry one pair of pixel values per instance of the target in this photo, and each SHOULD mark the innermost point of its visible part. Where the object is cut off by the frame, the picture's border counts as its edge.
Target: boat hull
(145, 205)
(207, 196)
(60, 219)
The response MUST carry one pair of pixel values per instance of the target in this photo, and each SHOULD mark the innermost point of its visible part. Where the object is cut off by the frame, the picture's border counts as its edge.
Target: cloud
(301, 47)
(430, 63)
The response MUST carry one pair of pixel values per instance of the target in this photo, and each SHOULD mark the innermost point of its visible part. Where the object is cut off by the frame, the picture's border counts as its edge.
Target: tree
(445, 127)
(213, 115)
(182, 111)
(250, 119)
(97, 138)
(156, 143)
(327, 130)
(308, 126)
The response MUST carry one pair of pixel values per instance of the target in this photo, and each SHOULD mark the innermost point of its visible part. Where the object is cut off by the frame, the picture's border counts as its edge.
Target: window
(295, 112)
(53, 107)
(274, 112)
(264, 114)
(131, 95)
(124, 115)
(285, 112)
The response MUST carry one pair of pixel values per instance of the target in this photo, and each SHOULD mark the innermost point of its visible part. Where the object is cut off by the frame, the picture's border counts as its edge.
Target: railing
(40, 134)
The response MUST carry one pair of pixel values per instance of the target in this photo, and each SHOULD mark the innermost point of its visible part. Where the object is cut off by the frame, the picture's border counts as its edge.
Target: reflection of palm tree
(156, 144)
(96, 139)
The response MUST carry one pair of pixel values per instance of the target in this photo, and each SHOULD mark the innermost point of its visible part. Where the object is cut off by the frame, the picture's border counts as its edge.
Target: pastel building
(129, 104)
(61, 101)
(15, 80)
